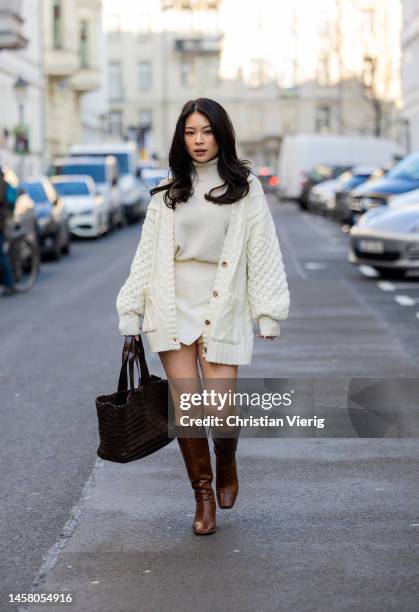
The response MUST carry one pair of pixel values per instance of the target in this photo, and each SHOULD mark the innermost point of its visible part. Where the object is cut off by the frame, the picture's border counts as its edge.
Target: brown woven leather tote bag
(133, 422)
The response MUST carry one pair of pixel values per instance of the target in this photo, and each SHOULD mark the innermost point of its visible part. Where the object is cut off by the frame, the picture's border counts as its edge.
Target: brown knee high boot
(227, 484)
(195, 452)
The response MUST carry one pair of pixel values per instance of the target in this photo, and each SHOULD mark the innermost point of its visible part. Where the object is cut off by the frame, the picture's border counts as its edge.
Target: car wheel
(56, 251)
(111, 224)
(67, 246)
(391, 272)
(123, 221)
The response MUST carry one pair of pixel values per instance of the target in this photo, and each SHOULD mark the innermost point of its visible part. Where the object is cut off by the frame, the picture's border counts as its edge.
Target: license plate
(371, 246)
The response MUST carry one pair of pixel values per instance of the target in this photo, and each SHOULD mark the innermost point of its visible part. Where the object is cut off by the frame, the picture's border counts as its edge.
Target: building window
(186, 73)
(84, 44)
(115, 80)
(323, 118)
(368, 21)
(115, 123)
(144, 76)
(57, 23)
(212, 70)
(369, 71)
(145, 119)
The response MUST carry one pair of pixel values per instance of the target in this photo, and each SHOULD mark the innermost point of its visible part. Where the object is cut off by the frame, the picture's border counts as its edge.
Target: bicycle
(25, 260)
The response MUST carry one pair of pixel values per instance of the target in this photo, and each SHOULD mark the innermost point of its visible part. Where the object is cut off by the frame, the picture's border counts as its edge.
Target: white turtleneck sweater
(200, 225)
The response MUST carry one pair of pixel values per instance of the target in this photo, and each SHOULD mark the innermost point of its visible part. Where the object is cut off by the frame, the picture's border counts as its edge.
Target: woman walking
(208, 263)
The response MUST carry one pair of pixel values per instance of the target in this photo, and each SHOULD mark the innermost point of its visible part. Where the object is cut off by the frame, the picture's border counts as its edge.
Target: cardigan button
(224, 264)
(215, 293)
(207, 321)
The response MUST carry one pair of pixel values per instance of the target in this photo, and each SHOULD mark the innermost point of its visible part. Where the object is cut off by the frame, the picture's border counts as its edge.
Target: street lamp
(21, 91)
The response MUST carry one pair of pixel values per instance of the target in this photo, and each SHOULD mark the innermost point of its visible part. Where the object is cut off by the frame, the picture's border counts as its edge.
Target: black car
(359, 174)
(318, 174)
(52, 219)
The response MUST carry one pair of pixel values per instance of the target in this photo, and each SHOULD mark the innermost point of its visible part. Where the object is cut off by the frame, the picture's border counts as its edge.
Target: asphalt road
(319, 524)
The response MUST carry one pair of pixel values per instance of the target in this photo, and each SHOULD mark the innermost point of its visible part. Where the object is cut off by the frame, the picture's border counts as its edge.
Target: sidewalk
(318, 525)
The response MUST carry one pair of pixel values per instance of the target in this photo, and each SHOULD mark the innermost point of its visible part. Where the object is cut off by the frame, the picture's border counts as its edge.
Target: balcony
(86, 79)
(199, 46)
(11, 25)
(61, 63)
(190, 5)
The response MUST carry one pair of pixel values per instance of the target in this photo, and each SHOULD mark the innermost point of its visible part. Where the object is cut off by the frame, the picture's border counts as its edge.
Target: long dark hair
(231, 169)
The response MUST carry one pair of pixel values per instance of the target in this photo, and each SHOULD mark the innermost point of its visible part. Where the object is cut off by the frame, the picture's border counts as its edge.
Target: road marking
(404, 300)
(386, 286)
(291, 252)
(315, 265)
(51, 558)
(368, 271)
(408, 285)
(414, 525)
(417, 315)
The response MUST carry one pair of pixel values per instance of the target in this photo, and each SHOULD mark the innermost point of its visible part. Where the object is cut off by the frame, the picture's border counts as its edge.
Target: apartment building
(21, 86)
(352, 87)
(410, 70)
(73, 56)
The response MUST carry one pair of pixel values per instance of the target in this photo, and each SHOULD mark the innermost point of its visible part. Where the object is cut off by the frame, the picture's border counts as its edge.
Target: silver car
(387, 238)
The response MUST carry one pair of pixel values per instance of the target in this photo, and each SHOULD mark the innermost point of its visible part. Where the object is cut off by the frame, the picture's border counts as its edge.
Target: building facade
(348, 88)
(21, 86)
(73, 55)
(410, 70)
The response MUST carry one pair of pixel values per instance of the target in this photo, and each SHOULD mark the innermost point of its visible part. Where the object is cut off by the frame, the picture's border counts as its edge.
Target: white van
(301, 152)
(134, 197)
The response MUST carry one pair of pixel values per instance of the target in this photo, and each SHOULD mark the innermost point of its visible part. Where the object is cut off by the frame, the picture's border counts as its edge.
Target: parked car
(52, 219)
(88, 212)
(104, 172)
(322, 197)
(318, 174)
(300, 153)
(151, 177)
(402, 178)
(341, 210)
(268, 178)
(410, 197)
(133, 195)
(387, 238)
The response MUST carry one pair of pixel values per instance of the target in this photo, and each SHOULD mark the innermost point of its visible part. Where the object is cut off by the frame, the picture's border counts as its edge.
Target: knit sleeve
(267, 285)
(130, 299)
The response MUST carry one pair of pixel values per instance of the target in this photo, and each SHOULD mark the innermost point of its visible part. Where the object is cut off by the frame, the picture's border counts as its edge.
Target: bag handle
(133, 351)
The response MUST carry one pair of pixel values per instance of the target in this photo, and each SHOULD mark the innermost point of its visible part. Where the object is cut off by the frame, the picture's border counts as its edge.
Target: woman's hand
(137, 338)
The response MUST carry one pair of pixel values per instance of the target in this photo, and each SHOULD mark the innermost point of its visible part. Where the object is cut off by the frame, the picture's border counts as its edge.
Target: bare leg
(182, 373)
(222, 379)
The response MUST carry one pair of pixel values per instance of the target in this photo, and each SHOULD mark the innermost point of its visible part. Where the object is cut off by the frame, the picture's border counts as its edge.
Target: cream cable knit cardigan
(250, 282)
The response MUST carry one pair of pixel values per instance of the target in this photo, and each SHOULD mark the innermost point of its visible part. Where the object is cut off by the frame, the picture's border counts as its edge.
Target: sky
(252, 30)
